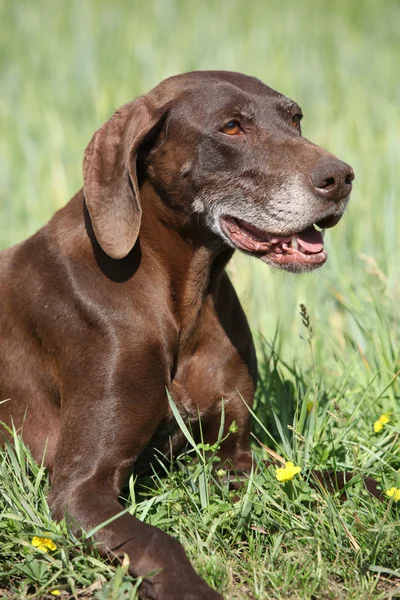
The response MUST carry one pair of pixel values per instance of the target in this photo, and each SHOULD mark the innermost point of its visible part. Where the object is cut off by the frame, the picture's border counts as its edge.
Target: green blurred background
(66, 66)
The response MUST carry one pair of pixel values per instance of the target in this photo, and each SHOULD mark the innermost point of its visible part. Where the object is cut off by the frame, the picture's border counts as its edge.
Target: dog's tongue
(310, 240)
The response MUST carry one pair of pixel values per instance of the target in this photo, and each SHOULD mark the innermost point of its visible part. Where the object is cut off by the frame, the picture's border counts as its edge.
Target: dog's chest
(204, 379)
(209, 364)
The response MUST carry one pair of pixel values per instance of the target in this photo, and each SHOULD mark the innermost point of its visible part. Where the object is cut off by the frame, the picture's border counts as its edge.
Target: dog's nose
(331, 178)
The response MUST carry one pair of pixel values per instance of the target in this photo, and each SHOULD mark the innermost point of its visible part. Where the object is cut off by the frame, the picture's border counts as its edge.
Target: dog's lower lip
(301, 249)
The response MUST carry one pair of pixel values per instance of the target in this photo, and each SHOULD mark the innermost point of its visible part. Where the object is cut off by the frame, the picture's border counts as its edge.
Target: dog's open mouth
(304, 249)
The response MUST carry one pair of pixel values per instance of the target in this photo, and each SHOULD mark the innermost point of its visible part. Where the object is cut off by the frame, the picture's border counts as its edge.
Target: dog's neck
(191, 257)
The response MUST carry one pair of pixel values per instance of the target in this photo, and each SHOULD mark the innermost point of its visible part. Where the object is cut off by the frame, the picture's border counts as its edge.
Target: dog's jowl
(124, 294)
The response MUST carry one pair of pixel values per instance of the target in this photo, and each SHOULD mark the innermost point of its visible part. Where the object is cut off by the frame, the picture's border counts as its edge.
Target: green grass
(64, 68)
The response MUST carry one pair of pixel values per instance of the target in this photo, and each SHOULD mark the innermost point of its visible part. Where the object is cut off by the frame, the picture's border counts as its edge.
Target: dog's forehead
(202, 93)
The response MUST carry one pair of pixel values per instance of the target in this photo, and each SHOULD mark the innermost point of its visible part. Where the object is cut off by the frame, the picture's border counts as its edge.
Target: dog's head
(223, 151)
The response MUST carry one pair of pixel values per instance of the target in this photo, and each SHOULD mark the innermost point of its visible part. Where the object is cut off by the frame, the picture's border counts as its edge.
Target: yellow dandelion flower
(55, 593)
(393, 493)
(383, 420)
(43, 544)
(287, 472)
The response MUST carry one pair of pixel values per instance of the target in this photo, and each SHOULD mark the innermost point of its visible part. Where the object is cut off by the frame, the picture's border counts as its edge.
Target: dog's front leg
(107, 420)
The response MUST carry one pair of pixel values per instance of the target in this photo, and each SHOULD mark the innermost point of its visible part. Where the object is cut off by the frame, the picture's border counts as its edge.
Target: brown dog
(124, 293)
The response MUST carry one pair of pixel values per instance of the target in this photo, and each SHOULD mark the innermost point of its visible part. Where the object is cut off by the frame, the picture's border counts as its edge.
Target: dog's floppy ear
(109, 175)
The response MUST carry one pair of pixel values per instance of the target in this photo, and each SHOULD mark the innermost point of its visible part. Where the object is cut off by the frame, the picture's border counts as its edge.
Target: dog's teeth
(317, 227)
(294, 244)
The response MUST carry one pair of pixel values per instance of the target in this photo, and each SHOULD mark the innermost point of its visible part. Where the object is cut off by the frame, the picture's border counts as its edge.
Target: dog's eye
(296, 120)
(231, 128)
